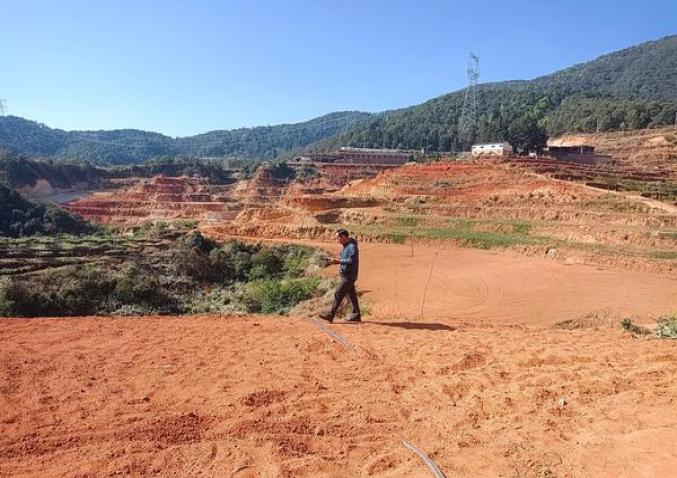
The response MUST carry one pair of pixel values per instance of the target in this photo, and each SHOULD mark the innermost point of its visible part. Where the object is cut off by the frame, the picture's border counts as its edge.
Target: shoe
(352, 319)
(327, 316)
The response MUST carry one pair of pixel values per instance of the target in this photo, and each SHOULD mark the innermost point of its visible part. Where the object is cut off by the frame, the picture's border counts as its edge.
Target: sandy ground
(483, 382)
(476, 284)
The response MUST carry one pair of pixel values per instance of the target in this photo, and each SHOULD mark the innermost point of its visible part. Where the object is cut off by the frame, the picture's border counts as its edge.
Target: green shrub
(278, 296)
(300, 260)
(21, 217)
(71, 291)
(193, 263)
(195, 240)
(396, 238)
(235, 277)
(130, 310)
(307, 173)
(217, 300)
(281, 170)
(5, 303)
(232, 262)
(667, 327)
(141, 288)
(267, 263)
(221, 265)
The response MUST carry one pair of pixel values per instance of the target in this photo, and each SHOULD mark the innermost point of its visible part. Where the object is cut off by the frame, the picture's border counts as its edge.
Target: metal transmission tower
(468, 119)
(2, 106)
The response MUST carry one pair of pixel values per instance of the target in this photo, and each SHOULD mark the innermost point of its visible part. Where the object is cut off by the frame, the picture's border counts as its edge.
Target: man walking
(349, 262)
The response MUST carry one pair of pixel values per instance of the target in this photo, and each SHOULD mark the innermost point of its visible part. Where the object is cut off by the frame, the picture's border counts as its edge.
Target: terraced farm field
(35, 254)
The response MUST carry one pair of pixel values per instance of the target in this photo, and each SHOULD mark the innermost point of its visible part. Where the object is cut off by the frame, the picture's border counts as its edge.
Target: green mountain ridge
(125, 146)
(631, 88)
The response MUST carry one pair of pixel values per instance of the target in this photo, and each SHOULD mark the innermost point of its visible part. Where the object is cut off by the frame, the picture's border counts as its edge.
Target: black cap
(342, 232)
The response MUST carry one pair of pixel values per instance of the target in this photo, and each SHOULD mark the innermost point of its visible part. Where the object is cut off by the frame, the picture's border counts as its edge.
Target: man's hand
(333, 262)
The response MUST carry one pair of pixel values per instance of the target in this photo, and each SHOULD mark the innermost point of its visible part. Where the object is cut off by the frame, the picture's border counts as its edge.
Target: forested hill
(21, 217)
(629, 89)
(22, 136)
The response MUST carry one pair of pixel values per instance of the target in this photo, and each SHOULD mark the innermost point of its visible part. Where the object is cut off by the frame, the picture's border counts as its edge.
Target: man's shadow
(416, 325)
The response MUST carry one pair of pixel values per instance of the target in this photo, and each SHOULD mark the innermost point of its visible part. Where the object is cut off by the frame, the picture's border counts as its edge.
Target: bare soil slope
(649, 149)
(483, 382)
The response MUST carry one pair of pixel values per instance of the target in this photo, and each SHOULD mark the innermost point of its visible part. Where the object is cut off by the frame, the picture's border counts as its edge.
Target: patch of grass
(615, 203)
(408, 221)
(466, 236)
(665, 255)
(667, 327)
(466, 232)
(395, 237)
(520, 227)
(627, 324)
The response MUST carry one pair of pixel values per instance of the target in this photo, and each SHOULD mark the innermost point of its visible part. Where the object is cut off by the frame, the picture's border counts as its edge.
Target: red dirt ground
(483, 382)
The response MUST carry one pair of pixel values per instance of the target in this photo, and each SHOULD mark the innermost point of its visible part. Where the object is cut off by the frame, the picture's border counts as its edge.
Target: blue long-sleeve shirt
(349, 260)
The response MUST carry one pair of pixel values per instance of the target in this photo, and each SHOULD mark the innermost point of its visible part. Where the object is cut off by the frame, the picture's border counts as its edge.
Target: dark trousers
(346, 287)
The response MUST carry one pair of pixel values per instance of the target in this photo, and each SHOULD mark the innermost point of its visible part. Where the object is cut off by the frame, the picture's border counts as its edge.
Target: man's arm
(350, 255)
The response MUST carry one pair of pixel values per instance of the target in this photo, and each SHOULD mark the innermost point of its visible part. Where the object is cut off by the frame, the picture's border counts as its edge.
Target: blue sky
(187, 67)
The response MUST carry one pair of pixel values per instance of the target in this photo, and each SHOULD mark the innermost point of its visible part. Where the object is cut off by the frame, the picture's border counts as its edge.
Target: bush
(278, 296)
(141, 288)
(193, 263)
(267, 263)
(281, 170)
(306, 174)
(232, 262)
(72, 291)
(300, 260)
(217, 300)
(21, 217)
(240, 277)
(667, 327)
(5, 303)
(195, 240)
(129, 310)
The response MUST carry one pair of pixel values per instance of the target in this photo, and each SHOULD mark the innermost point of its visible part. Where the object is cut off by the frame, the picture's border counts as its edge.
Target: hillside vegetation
(112, 274)
(20, 217)
(128, 146)
(20, 171)
(629, 89)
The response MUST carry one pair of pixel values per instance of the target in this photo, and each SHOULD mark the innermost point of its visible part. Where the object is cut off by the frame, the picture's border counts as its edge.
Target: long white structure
(491, 149)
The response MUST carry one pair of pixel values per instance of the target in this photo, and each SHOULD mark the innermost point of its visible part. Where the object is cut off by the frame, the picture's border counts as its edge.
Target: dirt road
(483, 382)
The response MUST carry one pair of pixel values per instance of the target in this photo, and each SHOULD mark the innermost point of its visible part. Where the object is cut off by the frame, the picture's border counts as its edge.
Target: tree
(525, 135)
